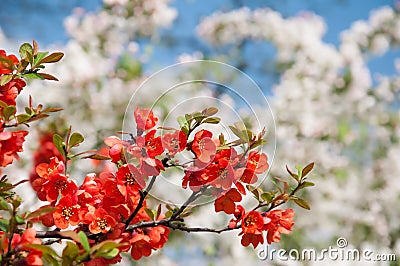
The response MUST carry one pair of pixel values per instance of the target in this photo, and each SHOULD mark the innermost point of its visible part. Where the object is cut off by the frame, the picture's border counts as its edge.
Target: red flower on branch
(99, 221)
(67, 212)
(203, 146)
(7, 62)
(174, 142)
(226, 202)
(10, 91)
(10, 144)
(252, 226)
(221, 174)
(116, 148)
(57, 184)
(145, 119)
(153, 144)
(281, 222)
(257, 163)
(129, 179)
(140, 246)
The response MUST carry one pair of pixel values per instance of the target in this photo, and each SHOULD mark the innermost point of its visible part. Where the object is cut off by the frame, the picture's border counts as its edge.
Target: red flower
(252, 226)
(194, 180)
(253, 239)
(67, 212)
(116, 148)
(174, 142)
(148, 146)
(203, 146)
(140, 246)
(221, 174)
(252, 223)
(281, 223)
(145, 119)
(150, 166)
(158, 236)
(226, 202)
(10, 91)
(129, 179)
(10, 144)
(7, 62)
(58, 183)
(153, 144)
(99, 221)
(46, 150)
(19, 243)
(258, 163)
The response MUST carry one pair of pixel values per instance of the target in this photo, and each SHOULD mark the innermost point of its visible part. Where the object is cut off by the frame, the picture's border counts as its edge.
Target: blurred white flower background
(330, 71)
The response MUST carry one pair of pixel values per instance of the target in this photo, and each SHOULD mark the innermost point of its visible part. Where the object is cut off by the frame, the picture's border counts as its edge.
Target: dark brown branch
(143, 194)
(192, 198)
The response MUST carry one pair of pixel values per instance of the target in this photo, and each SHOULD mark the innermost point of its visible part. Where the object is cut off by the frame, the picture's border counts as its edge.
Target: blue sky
(42, 20)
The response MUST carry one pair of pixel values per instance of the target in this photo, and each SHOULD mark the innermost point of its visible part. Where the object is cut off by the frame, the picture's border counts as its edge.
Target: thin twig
(143, 194)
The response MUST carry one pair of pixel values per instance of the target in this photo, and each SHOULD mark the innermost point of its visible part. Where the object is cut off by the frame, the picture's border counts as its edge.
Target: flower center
(61, 185)
(250, 220)
(174, 143)
(67, 212)
(102, 223)
(129, 179)
(202, 144)
(222, 173)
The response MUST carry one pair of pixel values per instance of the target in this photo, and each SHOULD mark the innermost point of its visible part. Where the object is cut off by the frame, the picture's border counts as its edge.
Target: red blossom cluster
(20, 244)
(109, 211)
(10, 142)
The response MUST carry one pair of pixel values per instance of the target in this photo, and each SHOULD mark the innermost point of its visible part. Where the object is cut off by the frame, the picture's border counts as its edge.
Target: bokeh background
(330, 70)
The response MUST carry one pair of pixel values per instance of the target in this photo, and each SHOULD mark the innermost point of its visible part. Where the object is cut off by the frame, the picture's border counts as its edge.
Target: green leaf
(237, 132)
(267, 196)
(306, 184)
(158, 211)
(255, 191)
(5, 79)
(307, 169)
(33, 76)
(296, 177)
(150, 213)
(59, 143)
(3, 104)
(181, 121)
(212, 120)
(38, 58)
(221, 138)
(84, 240)
(75, 139)
(19, 219)
(71, 234)
(35, 48)
(47, 76)
(26, 51)
(9, 111)
(4, 205)
(48, 253)
(52, 110)
(302, 203)
(23, 118)
(69, 253)
(41, 211)
(106, 248)
(52, 58)
(97, 157)
(110, 254)
(4, 225)
(209, 111)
